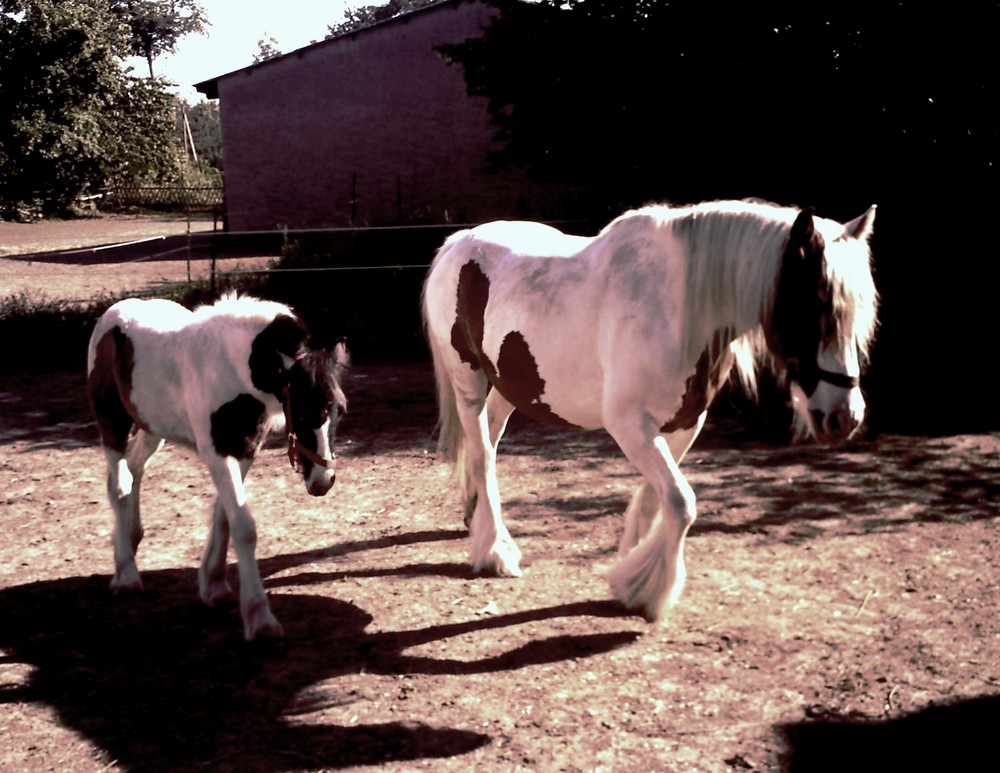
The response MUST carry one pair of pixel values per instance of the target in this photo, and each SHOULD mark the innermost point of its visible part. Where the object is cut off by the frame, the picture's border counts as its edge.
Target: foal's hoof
(127, 580)
(260, 623)
(212, 593)
(268, 631)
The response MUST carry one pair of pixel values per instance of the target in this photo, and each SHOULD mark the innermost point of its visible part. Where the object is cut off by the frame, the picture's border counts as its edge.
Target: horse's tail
(451, 441)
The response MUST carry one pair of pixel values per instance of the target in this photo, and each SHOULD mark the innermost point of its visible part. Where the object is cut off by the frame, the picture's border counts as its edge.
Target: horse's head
(823, 318)
(314, 403)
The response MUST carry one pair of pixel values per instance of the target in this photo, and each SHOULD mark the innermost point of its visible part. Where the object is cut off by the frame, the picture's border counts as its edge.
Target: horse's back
(525, 238)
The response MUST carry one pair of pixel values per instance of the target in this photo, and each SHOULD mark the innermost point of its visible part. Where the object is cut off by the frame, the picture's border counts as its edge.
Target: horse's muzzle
(835, 425)
(319, 485)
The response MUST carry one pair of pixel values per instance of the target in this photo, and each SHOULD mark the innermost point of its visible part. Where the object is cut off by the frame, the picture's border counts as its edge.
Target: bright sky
(233, 37)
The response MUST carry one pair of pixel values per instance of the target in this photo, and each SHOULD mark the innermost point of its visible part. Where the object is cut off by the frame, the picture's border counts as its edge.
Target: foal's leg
(498, 411)
(492, 546)
(212, 582)
(227, 475)
(125, 473)
(645, 503)
(651, 576)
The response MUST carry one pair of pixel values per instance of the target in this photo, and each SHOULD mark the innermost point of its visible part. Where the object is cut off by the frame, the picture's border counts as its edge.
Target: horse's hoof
(266, 631)
(260, 623)
(213, 593)
(127, 580)
(499, 564)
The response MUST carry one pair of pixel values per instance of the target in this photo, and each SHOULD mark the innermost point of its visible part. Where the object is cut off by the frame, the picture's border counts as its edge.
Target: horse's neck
(731, 264)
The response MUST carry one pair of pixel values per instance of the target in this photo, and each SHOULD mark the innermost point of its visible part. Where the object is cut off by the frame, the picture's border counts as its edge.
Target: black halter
(809, 376)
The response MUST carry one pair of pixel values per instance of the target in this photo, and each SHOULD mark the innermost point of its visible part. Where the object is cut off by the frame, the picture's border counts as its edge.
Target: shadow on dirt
(160, 682)
(956, 736)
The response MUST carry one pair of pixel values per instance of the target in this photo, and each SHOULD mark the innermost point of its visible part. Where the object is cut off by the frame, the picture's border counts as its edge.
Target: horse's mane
(243, 308)
(733, 252)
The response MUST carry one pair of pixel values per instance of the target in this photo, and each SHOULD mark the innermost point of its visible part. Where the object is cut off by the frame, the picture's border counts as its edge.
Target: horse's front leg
(213, 584)
(645, 502)
(650, 577)
(227, 474)
(493, 548)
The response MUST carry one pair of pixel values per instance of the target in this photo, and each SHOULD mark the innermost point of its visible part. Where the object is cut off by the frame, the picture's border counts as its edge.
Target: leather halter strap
(796, 372)
(296, 450)
(837, 379)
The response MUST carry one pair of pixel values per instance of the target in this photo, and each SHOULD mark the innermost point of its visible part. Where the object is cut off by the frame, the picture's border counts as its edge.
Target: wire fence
(180, 198)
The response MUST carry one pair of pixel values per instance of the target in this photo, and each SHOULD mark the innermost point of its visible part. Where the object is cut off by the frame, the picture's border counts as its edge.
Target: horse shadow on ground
(955, 736)
(161, 682)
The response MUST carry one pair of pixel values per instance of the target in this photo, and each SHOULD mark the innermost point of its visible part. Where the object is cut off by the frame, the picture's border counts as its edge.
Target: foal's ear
(861, 227)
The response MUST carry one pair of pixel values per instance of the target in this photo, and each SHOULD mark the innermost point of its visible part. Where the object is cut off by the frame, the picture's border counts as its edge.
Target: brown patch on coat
(239, 427)
(518, 380)
(470, 321)
(109, 385)
(515, 373)
(700, 389)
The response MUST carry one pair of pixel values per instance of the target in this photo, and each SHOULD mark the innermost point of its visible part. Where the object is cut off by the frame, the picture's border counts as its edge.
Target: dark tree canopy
(689, 100)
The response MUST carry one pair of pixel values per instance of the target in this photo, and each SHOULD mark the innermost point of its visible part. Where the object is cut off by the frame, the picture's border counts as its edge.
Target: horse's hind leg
(125, 473)
(498, 411)
(492, 547)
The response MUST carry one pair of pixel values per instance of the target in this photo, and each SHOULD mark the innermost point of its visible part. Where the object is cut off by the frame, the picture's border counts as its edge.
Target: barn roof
(210, 87)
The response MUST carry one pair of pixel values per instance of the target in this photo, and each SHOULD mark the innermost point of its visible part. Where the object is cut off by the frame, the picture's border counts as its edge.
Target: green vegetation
(74, 119)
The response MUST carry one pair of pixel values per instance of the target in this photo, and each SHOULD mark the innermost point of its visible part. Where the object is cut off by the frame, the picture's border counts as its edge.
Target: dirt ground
(841, 610)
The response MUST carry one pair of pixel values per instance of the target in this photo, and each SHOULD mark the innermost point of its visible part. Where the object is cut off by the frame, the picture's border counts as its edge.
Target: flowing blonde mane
(733, 252)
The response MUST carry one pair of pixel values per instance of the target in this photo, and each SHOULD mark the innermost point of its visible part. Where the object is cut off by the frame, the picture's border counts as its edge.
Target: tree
(688, 100)
(155, 26)
(368, 15)
(267, 48)
(72, 118)
(206, 132)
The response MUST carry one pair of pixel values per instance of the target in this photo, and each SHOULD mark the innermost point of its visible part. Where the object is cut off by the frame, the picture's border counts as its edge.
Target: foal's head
(823, 318)
(314, 403)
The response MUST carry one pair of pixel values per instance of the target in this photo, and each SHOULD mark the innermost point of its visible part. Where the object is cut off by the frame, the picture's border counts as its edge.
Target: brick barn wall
(373, 128)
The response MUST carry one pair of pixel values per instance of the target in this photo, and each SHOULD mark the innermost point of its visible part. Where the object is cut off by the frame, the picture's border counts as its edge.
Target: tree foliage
(72, 118)
(155, 26)
(687, 100)
(369, 15)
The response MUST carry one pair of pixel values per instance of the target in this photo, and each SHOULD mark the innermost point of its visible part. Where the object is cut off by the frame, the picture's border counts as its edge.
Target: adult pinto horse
(634, 330)
(215, 380)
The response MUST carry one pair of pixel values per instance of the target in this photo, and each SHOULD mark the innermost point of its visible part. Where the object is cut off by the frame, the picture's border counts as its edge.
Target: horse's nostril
(818, 417)
(835, 421)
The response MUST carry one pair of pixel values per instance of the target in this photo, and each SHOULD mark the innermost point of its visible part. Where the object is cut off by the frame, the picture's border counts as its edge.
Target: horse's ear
(803, 233)
(341, 357)
(861, 227)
